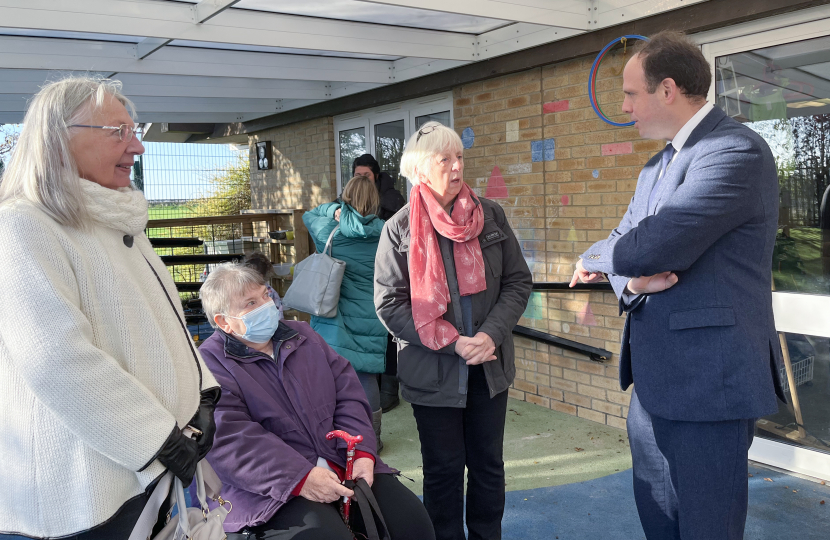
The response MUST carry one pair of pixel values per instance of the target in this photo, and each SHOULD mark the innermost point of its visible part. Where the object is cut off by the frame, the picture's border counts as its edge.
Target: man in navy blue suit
(691, 264)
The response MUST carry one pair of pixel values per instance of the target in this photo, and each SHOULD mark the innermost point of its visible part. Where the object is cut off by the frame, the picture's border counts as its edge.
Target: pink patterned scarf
(427, 276)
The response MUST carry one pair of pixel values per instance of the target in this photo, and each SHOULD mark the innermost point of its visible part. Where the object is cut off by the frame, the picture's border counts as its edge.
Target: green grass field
(167, 211)
(797, 263)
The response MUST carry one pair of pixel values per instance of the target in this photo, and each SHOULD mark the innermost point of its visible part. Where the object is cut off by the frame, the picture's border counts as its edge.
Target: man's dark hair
(671, 55)
(367, 160)
(259, 262)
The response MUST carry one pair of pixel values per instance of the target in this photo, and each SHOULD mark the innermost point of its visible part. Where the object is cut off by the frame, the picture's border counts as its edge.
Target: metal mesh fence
(175, 176)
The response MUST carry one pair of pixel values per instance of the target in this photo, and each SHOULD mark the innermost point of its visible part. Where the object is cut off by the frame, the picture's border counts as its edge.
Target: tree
(811, 145)
(230, 194)
(231, 190)
(8, 140)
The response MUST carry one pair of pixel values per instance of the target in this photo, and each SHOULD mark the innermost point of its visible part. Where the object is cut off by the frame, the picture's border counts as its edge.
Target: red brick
(616, 149)
(556, 106)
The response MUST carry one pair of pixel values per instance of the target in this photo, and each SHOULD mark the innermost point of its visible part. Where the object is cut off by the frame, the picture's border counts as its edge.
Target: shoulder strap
(329, 241)
(376, 528)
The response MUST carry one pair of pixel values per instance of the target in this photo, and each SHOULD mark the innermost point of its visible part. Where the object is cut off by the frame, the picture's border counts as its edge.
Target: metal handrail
(565, 286)
(594, 353)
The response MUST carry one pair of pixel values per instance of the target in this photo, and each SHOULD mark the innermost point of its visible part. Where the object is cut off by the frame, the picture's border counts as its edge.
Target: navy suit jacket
(705, 349)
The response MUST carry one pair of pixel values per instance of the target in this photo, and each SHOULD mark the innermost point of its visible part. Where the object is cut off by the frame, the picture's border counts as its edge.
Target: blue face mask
(260, 323)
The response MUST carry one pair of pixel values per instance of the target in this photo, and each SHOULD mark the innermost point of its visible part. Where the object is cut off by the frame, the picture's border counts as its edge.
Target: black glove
(204, 422)
(180, 455)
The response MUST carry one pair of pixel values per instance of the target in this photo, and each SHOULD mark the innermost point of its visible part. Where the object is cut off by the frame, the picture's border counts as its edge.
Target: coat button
(288, 346)
(128, 240)
(476, 323)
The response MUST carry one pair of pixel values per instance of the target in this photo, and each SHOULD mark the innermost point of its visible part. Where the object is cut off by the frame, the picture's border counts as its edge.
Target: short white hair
(42, 170)
(227, 282)
(435, 139)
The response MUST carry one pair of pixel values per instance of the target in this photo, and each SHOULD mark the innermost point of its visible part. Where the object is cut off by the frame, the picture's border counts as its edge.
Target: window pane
(783, 93)
(443, 117)
(352, 146)
(810, 360)
(389, 140)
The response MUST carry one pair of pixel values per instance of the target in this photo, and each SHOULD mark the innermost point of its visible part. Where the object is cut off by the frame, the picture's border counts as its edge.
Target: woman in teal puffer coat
(355, 332)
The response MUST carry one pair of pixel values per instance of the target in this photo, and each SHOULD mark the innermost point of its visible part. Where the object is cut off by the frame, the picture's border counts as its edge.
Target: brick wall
(303, 173)
(564, 178)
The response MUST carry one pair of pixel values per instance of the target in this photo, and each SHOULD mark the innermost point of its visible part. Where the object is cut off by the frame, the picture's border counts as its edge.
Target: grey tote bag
(316, 285)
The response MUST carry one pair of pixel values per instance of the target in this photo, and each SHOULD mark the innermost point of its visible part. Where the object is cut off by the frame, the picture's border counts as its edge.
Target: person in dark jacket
(450, 285)
(355, 331)
(391, 201)
(283, 389)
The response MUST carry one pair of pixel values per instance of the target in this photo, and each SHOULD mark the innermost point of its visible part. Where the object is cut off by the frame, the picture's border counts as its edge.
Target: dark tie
(668, 153)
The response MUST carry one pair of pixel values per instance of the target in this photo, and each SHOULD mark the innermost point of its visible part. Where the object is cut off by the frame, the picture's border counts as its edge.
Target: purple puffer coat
(272, 419)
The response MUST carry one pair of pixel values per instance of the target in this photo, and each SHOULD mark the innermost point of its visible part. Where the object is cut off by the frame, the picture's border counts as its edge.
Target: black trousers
(453, 438)
(301, 519)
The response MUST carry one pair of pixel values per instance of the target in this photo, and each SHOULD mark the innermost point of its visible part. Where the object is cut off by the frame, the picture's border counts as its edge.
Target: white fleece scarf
(122, 209)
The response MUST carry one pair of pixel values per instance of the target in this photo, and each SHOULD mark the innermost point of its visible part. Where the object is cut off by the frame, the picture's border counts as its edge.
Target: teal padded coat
(355, 332)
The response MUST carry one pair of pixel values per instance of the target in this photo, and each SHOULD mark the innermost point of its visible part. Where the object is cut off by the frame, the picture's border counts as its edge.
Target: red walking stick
(351, 441)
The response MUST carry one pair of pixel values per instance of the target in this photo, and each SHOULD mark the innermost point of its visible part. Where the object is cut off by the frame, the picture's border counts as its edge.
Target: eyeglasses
(126, 132)
(424, 131)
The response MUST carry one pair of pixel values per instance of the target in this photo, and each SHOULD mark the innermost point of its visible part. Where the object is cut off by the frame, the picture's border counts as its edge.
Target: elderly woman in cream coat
(98, 374)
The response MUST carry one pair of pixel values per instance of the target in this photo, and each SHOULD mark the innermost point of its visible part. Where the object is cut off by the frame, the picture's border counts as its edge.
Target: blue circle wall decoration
(592, 82)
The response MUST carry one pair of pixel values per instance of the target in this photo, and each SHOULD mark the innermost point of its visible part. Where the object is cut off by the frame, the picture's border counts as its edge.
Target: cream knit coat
(95, 368)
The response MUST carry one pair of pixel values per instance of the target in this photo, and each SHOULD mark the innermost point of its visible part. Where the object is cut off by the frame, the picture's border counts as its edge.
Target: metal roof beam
(190, 86)
(207, 9)
(234, 26)
(148, 46)
(571, 14)
(517, 37)
(146, 105)
(108, 57)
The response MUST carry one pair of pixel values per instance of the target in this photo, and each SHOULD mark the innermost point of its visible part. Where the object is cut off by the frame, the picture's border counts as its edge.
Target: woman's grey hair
(435, 138)
(42, 170)
(225, 283)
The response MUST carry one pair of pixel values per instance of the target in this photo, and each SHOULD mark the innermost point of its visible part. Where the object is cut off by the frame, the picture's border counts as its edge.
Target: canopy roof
(219, 61)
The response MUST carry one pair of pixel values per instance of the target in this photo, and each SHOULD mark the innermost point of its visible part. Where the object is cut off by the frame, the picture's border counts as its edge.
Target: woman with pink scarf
(450, 285)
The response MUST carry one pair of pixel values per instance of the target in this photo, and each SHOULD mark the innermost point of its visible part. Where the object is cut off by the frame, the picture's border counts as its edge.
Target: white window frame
(404, 110)
(794, 312)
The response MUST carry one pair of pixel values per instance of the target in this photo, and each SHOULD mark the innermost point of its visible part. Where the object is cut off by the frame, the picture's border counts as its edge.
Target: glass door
(389, 134)
(383, 133)
(779, 86)
(351, 143)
